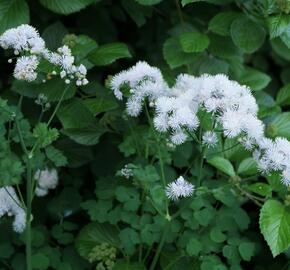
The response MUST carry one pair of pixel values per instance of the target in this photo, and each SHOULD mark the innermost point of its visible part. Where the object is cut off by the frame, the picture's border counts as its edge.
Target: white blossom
(25, 39)
(179, 188)
(232, 106)
(126, 172)
(25, 68)
(46, 179)
(10, 205)
(209, 139)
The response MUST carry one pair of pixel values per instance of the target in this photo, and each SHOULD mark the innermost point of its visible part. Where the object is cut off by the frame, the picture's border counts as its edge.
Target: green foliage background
(218, 228)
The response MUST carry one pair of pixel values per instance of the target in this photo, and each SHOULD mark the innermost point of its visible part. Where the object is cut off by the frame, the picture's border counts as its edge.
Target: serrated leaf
(56, 156)
(247, 34)
(193, 42)
(65, 6)
(53, 35)
(109, 53)
(221, 23)
(223, 165)
(45, 135)
(13, 13)
(278, 24)
(262, 189)
(275, 226)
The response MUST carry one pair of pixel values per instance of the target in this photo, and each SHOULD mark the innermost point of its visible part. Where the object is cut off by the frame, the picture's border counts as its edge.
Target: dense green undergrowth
(102, 217)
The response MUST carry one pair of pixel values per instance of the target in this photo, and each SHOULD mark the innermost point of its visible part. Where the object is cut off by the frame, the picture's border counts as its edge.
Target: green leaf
(65, 6)
(81, 46)
(283, 96)
(129, 238)
(109, 53)
(193, 42)
(247, 250)
(216, 2)
(278, 24)
(280, 48)
(260, 188)
(100, 104)
(217, 235)
(223, 165)
(89, 135)
(221, 23)
(74, 114)
(39, 261)
(52, 89)
(13, 13)
(11, 170)
(255, 79)
(56, 156)
(247, 34)
(6, 250)
(280, 125)
(45, 135)
(193, 247)
(174, 55)
(275, 226)
(53, 35)
(148, 2)
(248, 167)
(94, 234)
(124, 265)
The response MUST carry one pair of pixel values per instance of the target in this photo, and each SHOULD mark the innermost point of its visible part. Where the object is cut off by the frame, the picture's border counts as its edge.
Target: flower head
(10, 205)
(179, 188)
(209, 139)
(46, 179)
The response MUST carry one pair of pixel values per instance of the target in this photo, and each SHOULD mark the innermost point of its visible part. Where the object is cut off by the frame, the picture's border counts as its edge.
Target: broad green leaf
(52, 89)
(247, 34)
(281, 125)
(193, 42)
(89, 135)
(174, 55)
(65, 6)
(247, 250)
(248, 167)
(223, 165)
(53, 35)
(100, 104)
(74, 114)
(275, 226)
(278, 24)
(109, 53)
(129, 239)
(81, 46)
(213, 65)
(221, 23)
(13, 13)
(39, 261)
(136, 11)
(148, 2)
(94, 234)
(280, 48)
(193, 247)
(217, 235)
(283, 96)
(262, 189)
(255, 79)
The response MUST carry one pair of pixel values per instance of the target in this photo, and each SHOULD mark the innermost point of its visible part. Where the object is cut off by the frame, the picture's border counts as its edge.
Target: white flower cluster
(179, 188)
(209, 139)
(127, 172)
(232, 105)
(46, 179)
(10, 205)
(25, 39)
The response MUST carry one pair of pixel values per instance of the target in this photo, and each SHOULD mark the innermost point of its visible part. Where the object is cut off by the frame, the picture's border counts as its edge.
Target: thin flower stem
(160, 160)
(159, 248)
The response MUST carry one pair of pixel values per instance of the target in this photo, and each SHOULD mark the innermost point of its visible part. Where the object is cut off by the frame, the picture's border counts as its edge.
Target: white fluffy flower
(46, 179)
(232, 105)
(209, 139)
(179, 188)
(25, 68)
(25, 39)
(10, 205)
(127, 172)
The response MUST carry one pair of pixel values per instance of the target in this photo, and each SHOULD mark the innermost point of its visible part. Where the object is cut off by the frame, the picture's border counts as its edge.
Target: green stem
(159, 248)
(28, 214)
